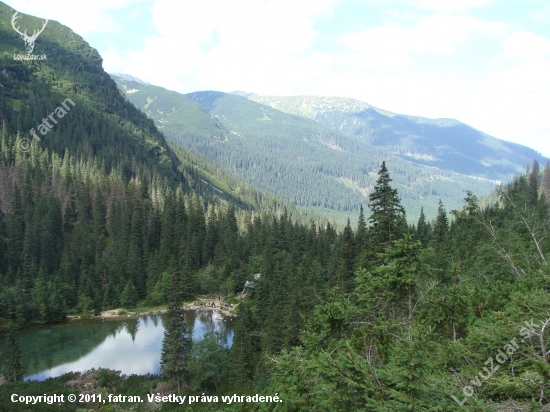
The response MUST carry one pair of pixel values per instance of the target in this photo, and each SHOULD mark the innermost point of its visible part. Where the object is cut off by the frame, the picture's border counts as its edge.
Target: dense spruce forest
(381, 316)
(76, 237)
(449, 314)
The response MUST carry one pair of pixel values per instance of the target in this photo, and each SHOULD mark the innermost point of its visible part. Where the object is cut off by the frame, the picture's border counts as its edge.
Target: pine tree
(347, 259)
(389, 289)
(407, 374)
(177, 344)
(98, 213)
(167, 235)
(51, 236)
(13, 371)
(129, 296)
(3, 241)
(440, 236)
(466, 231)
(5, 152)
(69, 217)
(422, 229)
(449, 307)
(211, 236)
(16, 231)
(242, 350)
(186, 282)
(360, 237)
(229, 231)
(387, 212)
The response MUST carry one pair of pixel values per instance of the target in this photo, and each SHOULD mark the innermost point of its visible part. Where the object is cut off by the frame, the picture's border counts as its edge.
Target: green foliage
(423, 229)
(413, 334)
(177, 344)
(407, 374)
(129, 296)
(545, 187)
(103, 212)
(12, 370)
(162, 289)
(387, 214)
(209, 363)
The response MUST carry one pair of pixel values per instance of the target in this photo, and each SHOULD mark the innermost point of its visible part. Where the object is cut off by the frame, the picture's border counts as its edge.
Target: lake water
(132, 346)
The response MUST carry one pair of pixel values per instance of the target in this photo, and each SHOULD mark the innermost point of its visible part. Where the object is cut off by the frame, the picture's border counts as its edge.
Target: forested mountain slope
(97, 208)
(444, 143)
(444, 316)
(447, 315)
(101, 125)
(452, 316)
(292, 156)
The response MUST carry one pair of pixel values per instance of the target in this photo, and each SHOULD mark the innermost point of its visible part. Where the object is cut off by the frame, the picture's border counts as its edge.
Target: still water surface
(132, 346)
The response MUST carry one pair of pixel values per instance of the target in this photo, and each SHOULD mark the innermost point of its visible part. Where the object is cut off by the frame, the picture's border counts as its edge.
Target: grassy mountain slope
(169, 107)
(444, 143)
(293, 156)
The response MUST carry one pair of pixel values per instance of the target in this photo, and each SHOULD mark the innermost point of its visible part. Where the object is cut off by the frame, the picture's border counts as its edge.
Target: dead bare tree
(501, 250)
(528, 216)
(535, 226)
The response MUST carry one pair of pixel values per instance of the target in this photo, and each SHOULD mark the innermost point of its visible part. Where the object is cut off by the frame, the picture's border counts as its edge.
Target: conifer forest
(385, 312)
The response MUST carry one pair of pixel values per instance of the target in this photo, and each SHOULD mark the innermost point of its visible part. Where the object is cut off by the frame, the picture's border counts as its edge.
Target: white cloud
(526, 45)
(541, 15)
(392, 47)
(515, 104)
(260, 44)
(82, 16)
(450, 6)
(430, 59)
(112, 59)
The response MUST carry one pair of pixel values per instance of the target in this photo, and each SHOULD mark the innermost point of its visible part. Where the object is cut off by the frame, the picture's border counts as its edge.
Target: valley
(371, 260)
(288, 153)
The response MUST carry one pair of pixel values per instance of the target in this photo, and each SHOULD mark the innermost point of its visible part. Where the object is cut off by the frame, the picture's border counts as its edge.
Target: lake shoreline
(113, 314)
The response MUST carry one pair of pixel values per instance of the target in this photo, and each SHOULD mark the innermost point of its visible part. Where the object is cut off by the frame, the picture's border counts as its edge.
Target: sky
(483, 62)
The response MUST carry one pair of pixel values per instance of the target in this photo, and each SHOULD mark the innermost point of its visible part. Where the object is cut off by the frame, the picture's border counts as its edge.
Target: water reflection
(132, 346)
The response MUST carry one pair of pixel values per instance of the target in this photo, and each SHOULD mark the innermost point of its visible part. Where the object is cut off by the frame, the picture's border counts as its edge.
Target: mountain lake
(132, 346)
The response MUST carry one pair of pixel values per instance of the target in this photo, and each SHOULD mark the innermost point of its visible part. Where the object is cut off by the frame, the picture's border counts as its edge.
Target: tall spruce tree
(242, 350)
(347, 256)
(13, 371)
(441, 230)
(16, 232)
(129, 296)
(3, 241)
(177, 344)
(387, 213)
(422, 233)
(388, 291)
(361, 236)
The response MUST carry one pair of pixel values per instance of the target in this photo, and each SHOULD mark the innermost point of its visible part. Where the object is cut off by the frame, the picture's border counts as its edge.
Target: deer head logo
(29, 40)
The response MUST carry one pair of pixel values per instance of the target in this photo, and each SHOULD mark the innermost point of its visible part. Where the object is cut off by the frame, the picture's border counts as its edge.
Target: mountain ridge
(294, 156)
(445, 143)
